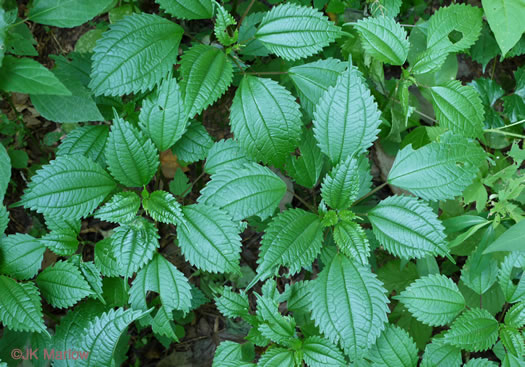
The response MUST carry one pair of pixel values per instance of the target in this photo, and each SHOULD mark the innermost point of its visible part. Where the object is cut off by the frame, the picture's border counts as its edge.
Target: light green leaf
(384, 39)
(346, 117)
(513, 341)
(28, 76)
(480, 362)
(265, 119)
(512, 361)
(458, 108)
(319, 352)
(394, 348)
(276, 327)
(62, 242)
(349, 305)
(276, 357)
(339, 188)
(222, 21)
(20, 306)
(188, 9)
(293, 32)
(231, 354)
(244, 191)
(224, 153)
(206, 74)
(5, 171)
(505, 18)
(434, 300)
(4, 220)
(105, 260)
(93, 278)
(89, 141)
(252, 46)
(387, 8)
(194, 144)
(132, 157)
(68, 187)
(162, 116)
(351, 240)
(515, 316)
(163, 207)
(306, 168)
(511, 240)
(121, 208)
(134, 55)
(439, 354)
(480, 271)
(439, 170)
(63, 285)
(66, 13)
(232, 304)
(408, 228)
(21, 256)
(209, 239)
(513, 292)
(475, 330)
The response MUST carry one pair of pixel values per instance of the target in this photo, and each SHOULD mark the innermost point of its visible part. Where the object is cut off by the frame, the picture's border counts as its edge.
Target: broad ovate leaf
(188, 9)
(163, 207)
(511, 240)
(21, 256)
(505, 18)
(319, 352)
(89, 141)
(474, 331)
(351, 240)
(224, 153)
(394, 348)
(121, 208)
(514, 291)
(66, 13)
(194, 144)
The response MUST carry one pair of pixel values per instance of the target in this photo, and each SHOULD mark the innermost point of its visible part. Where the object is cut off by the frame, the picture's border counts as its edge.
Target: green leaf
(5, 171)
(384, 39)
(515, 316)
(132, 157)
(294, 32)
(346, 117)
(162, 116)
(222, 22)
(349, 305)
(63, 224)
(89, 141)
(252, 46)
(21, 309)
(63, 285)
(513, 292)
(486, 48)
(458, 108)
(206, 74)
(339, 188)
(387, 8)
(66, 13)
(163, 207)
(439, 354)
(313, 79)
(231, 354)
(105, 260)
(93, 278)
(505, 18)
(475, 330)
(232, 304)
(180, 185)
(513, 341)
(68, 187)
(102, 335)
(511, 240)
(21, 256)
(319, 352)
(28, 76)
(224, 153)
(306, 168)
(351, 240)
(194, 144)
(209, 239)
(188, 9)
(293, 239)
(480, 362)
(439, 170)
(434, 300)
(480, 271)
(244, 191)
(4, 220)
(394, 348)
(408, 228)
(276, 327)
(133, 245)
(134, 55)
(121, 208)
(276, 357)
(512, 361)
(265, 119)
(62, 242)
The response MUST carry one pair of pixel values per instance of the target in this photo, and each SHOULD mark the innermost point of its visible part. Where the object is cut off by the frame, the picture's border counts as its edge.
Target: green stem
(311, 208)
(370, 193)
(267, 72)
(504, 133)
(507, 126)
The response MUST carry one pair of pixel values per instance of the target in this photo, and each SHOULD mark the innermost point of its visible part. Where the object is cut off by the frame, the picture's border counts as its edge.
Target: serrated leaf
(439, 170)
(515, 316)
(244, 191)
(93, 278)
(121, 208)
(232, 304)
(349, 305)
(276, 357)
(206, 74)
(21, 309)
(265, 119)
(408, 228)
(4, 220)
(351, 240)
(188, 9)
(21, 256)
(222, 21)
(298, 296)
(346, 117)
(252, 46)
(394, 348)
(387, 8)
(224, 153)
(475, 330)
(66, 13)
(339, 188)
(293, 32)
(163, 207)
(458, 108)
(209, 239)
(162, 116)
(293, 239)
(132, 158)
(513, 341)
(434, 300)
(505, 20)
(439, 354)
(480, 271)
(384, 39)
(105, 260)
(480, 362)
(134, 55)
(513, 292)
(63, 285)
(313, 79)
(194, 144)
(162, 325)
(62, 242)
(276, 327)
(231, 354)
(319, 352)
(5, 171)
(69, 187)
(133, 245)
(89, 141)
(306, 168)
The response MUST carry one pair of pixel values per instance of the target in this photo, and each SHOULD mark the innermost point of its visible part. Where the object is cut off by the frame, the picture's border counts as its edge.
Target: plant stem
(245, 14)
(370, 193)
(504, 133)
(238, 65)
(311, 208)
(267, 72)
(507, 126)
(191, 185)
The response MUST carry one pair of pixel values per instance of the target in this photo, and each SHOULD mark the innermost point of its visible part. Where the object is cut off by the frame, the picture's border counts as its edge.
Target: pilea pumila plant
(387, 211)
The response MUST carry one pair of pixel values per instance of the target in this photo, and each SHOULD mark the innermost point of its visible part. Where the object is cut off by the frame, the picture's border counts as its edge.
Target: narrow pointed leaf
(340, 187)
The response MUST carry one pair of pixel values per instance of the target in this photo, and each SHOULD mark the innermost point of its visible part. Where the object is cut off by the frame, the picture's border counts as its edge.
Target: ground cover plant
(262, 183)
